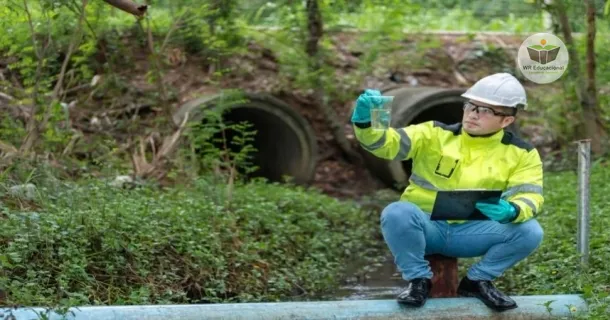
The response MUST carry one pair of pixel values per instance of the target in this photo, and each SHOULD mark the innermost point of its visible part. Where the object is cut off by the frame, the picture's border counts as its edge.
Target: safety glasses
(484, 111)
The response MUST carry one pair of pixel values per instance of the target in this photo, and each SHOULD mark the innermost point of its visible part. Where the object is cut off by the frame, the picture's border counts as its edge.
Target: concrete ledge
(530, 307)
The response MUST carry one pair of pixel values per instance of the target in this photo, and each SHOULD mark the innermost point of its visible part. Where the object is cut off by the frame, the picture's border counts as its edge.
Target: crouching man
(477, 153)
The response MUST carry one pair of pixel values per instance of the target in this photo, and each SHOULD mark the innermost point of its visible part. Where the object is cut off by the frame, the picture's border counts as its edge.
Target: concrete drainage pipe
(285, 142)
(412, 106)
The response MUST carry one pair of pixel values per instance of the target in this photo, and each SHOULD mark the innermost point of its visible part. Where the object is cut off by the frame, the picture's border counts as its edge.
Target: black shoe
(416, 293)
(485, 291)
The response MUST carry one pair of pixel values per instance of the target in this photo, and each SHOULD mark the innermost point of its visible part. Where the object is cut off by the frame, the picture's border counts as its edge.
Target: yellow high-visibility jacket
(447, 158)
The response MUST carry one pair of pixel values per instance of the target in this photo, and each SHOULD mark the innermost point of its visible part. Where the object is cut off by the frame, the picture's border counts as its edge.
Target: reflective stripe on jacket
(447, 158)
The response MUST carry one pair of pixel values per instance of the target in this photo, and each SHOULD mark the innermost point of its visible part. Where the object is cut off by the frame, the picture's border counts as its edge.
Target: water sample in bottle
(381, 113)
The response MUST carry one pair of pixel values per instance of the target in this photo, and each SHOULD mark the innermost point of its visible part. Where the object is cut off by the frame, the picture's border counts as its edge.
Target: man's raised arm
(392, 143)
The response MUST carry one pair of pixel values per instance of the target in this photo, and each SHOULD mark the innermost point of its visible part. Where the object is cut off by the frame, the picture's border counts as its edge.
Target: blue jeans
(410, 234)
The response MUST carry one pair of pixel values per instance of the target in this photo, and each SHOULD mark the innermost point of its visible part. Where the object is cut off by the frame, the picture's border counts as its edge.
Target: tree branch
(174, 26)
(167, 109)
(590, 59)
(31, 126)
(6, 97)
(566, 29)
(129, 6)
(315, 27)
(73, 44)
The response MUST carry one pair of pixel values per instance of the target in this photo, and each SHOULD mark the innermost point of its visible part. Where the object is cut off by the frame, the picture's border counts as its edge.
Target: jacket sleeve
(525, 187)
(394, 143)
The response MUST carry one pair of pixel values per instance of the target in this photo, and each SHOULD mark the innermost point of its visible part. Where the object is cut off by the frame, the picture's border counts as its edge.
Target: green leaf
(4, 261)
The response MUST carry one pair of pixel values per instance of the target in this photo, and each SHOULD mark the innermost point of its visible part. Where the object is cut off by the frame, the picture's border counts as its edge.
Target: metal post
(584, 168)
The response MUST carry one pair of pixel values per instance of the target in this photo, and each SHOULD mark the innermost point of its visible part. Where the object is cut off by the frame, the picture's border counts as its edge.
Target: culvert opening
(278, 148)
(448, 112)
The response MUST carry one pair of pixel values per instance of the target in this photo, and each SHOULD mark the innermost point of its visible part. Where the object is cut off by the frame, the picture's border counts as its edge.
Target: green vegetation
(110, 37)
(90, 243)
(210, 236)
(417, 15)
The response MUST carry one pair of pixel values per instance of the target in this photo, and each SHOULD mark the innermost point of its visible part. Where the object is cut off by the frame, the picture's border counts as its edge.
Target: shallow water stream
(383, 281)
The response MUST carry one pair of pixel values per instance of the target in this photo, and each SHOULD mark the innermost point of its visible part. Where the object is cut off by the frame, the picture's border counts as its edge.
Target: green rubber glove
(364, 103)
(502, 211)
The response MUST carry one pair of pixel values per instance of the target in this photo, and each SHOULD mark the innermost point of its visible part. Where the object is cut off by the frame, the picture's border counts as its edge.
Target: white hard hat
(500, 89)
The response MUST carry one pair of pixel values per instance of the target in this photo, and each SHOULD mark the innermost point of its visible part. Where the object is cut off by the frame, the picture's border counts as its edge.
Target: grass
(89, 243)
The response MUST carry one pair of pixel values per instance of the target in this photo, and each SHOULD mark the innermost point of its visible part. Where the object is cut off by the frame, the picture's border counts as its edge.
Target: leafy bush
(95, 244)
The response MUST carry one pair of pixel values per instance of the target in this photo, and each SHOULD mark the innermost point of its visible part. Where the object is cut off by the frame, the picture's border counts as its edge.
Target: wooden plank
(445, 279)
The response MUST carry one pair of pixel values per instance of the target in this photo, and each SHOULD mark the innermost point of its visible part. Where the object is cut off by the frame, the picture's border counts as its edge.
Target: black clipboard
(460, 204)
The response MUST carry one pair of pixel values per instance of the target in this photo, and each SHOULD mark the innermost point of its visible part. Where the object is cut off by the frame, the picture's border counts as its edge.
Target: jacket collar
(486, 140)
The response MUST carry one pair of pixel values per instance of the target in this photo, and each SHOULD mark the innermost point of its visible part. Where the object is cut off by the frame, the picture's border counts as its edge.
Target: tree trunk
(129, 6)
(32, 123)
(585, 86)
(315, 29)
(592, 112)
